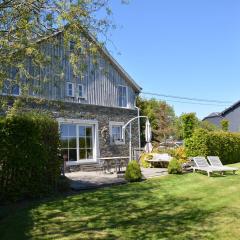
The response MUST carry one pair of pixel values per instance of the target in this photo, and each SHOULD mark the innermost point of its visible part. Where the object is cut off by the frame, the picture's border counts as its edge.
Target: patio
(90, 180)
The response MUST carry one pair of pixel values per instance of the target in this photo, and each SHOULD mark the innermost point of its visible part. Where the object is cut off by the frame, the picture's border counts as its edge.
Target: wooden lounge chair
(202, 165)
(216, 162)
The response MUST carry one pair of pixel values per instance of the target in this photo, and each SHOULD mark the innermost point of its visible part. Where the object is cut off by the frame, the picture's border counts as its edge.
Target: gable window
(122, 96)
(70, 89)
(116, 133)
(81, 93)
(10, 89)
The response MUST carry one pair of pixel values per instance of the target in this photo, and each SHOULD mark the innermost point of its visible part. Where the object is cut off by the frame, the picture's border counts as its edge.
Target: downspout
(138, 114)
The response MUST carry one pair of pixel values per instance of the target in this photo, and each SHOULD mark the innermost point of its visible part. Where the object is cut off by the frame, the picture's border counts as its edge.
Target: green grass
(190, 206)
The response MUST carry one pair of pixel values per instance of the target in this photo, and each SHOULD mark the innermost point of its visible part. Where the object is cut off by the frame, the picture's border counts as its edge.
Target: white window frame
(83, 91)
(126, 87)
(67, 89)
(81, 122)
(116, 124)
(19, 91)
(11, 94)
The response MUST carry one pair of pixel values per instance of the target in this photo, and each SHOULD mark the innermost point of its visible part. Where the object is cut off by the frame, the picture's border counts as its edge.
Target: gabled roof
(232, 107)
(223, 113)
(212, 115)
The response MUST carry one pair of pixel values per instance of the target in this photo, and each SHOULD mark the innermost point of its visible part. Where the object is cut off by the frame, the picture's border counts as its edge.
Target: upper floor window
(10, 89)
(122, 96)
(81, 93)
(70, 89)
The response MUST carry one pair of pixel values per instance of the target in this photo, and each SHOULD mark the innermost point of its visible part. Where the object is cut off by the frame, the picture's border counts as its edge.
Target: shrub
(174, 167)
(133, 172)
(143, 160)
(29, 160)
(180, 154)
(223, 144)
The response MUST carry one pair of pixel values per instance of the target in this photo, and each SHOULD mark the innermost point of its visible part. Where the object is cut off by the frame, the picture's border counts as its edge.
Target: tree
(189, 123)
(26, 24)
(225, 125)
(161, 116)
(208, 126)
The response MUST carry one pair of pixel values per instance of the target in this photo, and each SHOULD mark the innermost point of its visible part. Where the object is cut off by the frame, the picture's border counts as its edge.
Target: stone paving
(91, 180)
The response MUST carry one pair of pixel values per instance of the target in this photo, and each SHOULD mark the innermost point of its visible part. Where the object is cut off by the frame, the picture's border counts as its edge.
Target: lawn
(190, 206)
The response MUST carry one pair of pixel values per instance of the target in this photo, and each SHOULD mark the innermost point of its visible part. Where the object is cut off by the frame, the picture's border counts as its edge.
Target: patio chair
(202, 165)
(216, 162)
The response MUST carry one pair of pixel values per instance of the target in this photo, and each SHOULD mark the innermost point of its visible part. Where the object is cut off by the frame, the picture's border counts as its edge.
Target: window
(116, 133)
(15, 90)
(10, 88)
(122, 96)
(77, 142)
(85, 142)
(70, 90)
(81, 93)
(69, 141)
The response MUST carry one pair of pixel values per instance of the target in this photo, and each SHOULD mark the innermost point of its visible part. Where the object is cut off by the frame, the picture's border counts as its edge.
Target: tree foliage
(225, 125)
(188, 122)
(161, 116)
(26, 26)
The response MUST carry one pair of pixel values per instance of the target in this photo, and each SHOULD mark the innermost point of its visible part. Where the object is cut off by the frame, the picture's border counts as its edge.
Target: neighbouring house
(232, 114)
(91, 110)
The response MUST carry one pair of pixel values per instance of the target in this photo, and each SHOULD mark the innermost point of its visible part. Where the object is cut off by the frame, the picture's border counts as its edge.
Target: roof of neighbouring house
(224, 112)
(232, 107)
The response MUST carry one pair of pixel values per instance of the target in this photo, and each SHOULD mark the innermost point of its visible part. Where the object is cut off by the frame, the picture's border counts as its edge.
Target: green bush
(223, 144)
(29, 157)
(174, 167)
(143, 160)
(133, 172)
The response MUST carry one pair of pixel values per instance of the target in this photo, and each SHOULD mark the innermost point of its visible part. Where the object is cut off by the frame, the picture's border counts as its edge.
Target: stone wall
(88, 112)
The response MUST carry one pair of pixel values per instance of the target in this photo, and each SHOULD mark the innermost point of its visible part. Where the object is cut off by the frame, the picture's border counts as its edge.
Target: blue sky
(181, 47)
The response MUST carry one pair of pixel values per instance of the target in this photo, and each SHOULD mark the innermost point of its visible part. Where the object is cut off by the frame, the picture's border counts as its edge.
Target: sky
(188, 48)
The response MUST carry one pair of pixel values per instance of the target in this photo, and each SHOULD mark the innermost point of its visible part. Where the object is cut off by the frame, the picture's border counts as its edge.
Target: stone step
(90, 167)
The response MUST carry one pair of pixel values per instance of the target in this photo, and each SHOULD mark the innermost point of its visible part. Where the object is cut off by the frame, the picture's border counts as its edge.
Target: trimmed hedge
(29, 157)
(223, 144)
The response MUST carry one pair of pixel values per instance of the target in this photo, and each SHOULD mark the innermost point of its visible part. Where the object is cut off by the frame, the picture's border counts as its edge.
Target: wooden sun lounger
(216, 162)
(202, 165)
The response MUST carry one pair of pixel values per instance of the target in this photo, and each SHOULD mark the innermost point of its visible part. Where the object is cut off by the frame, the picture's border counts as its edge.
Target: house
(232, 114)
(91, 110)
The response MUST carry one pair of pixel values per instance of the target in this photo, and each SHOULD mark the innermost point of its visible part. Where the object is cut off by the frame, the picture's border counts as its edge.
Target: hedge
(223, 144)
(29, 158)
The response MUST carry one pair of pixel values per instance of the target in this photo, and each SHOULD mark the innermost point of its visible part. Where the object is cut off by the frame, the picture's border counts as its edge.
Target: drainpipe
(138, 114)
